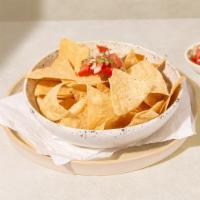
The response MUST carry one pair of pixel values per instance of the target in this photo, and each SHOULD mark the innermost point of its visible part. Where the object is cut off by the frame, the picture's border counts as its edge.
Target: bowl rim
(186, 55)
(109, 132)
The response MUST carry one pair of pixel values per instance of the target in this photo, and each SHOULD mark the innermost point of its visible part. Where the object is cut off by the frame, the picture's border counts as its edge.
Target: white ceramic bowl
(113, 137)
(193, 65)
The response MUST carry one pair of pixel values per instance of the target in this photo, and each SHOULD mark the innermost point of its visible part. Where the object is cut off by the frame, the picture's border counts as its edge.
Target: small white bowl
(113, 137)
(194, 66)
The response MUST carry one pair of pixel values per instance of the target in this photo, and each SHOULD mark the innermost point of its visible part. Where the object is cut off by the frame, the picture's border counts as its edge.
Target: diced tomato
(106, 72)
(197, 54)
(193, 59)
(198, 61)
(85, 70)
(116, 60)
(104, 65)
(102, 49)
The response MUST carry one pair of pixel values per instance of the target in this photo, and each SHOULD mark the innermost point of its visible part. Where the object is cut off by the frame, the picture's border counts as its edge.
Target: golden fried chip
(74, 52)
(85, 80)
(101, 127)
(99, 108)
(60, 69)
(127, 92)
(89, 80)
(119, 121)
(78, 94)
(78, 107)
(143, 116)
(173, 93)
(83, 118)
(50, 107)
(39, 100)
(65, 92)
(143, 106)
(72, 122)
(76, 121)
(161, 66)
(67, 102)
(78, 90)
(132, 58)
(157, 107)
(78, 86)
(102, 87)
(124, 120)
(146, 70)
(43, 87)
(153, 98)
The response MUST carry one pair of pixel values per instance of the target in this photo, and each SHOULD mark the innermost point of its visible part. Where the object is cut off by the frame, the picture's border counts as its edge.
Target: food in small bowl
(192, 56)
(103, 94)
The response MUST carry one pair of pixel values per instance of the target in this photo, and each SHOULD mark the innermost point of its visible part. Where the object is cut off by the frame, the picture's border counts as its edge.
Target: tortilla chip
(102, 87)
(75, 52)
(119, 121)
(127, 92)
(65, 92)
(78, 107)
(50, 107)
(161, 66)
(153, 98)
(143, 106)
(83, 118)
(78, 94)
(39, 100)
(78, 86)
(157, 107)
(67, 102)
(78, 89)
(72, 122)
(146, 70)
(89, 80)
(60, 69)
(43, 87)
(173, 93)
(143, 116)
(101, 127)
(99, 108)
(85, 80)
(124, 120)
(132, 58)
(76, 121)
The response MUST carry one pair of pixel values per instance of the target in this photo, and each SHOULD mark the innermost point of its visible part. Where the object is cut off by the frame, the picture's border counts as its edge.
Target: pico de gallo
(195, 57)
(102, 64)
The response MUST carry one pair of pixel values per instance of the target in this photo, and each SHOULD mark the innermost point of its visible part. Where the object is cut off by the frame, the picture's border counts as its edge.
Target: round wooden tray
(126, 160)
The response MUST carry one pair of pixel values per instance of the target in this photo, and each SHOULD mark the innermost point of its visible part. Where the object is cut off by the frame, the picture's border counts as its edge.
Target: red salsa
(102, 64)
(195, 57)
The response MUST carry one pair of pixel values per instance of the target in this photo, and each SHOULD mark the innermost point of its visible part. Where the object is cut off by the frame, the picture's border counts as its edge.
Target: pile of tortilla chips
(133, 95)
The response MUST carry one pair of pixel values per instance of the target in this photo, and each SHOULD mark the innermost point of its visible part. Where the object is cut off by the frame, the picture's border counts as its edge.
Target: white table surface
(22, 44)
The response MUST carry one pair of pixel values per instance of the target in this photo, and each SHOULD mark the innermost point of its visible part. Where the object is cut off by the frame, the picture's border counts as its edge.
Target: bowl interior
(169, 72)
